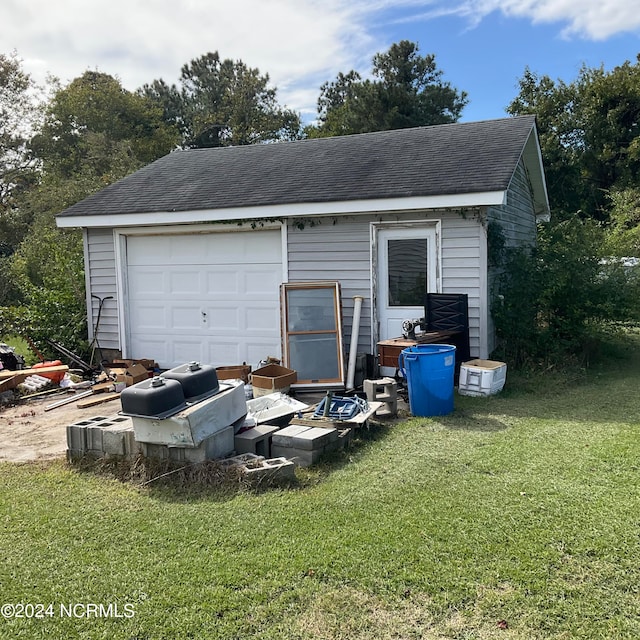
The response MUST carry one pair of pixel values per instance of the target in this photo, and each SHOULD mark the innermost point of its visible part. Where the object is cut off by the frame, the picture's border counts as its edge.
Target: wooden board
(357, 421)
(11, 379)
(99, 399)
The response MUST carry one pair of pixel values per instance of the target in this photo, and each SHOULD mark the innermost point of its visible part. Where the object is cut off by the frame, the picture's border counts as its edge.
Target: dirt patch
(28, 432)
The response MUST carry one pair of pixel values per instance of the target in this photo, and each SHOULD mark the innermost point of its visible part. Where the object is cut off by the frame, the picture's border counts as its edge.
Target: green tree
(94, 132)
(95, 126)
(222, 102)
(589, 133)
(19, 115)
(624, 237)
(407, 90)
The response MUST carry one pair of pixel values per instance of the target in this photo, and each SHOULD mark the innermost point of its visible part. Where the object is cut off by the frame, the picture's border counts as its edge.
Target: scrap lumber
(99, 399)
(11, 379)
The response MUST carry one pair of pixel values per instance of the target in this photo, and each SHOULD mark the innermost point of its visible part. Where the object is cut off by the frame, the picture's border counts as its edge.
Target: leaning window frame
(337, 381)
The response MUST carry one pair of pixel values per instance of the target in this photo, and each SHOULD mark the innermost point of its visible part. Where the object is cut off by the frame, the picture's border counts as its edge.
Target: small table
(389, 350)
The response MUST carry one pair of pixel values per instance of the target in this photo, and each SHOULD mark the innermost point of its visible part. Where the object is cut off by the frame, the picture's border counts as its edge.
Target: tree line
(59, 144)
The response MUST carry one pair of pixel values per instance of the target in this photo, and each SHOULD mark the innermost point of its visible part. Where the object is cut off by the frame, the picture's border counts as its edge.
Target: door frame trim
(374, 229)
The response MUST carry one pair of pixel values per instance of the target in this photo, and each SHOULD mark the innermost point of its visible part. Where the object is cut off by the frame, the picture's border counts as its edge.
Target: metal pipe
(353, 349)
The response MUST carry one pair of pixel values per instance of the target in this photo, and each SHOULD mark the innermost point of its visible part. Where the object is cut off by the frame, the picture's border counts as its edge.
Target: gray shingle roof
(424, 161)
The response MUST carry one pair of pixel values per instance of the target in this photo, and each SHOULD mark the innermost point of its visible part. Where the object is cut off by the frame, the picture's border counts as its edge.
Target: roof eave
(283, 211)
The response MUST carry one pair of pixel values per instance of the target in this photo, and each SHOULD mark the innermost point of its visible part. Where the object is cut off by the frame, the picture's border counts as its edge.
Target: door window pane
(407, 260)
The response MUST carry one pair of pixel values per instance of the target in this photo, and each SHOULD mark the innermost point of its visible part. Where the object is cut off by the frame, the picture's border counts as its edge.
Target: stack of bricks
(383, 390)
(114, 436)
(256, 440)
(304, 445)
(101, 436)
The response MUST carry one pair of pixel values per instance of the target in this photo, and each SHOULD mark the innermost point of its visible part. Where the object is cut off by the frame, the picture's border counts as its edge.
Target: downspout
(353, 349)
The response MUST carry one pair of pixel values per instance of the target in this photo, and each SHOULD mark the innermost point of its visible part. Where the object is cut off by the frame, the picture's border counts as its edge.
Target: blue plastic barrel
(429, 369)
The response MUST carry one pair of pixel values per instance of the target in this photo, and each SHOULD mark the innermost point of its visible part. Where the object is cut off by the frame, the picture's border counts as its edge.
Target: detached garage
(189, 252)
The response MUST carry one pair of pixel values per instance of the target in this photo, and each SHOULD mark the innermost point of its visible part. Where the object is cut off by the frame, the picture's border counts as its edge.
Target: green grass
(519, 511)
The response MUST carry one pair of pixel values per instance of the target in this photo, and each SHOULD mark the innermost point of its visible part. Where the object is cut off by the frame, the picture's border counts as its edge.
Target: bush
(551, 301)
(48, 272)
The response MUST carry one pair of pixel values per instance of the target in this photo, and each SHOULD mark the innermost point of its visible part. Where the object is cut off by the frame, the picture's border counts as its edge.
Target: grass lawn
(518, 516)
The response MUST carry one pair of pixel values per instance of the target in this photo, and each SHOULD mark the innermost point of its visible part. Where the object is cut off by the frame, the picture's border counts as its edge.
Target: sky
(482, 46)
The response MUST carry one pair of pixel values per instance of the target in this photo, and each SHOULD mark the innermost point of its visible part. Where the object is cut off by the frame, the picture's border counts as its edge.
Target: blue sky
(482, 46)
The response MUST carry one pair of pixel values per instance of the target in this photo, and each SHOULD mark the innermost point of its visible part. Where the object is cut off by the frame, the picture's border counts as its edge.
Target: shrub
(552, 300)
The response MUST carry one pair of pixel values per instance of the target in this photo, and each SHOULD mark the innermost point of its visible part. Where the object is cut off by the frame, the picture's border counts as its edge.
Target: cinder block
(218, 445)
(94, 440)
(286, 437)
(113, 441)
(300, 457)
(304, 437)
(155, 451)
(383, 390)
(313, 438)
(77, 438)
(242, 459)
(256, 440)
(132, 447)
(272, 469)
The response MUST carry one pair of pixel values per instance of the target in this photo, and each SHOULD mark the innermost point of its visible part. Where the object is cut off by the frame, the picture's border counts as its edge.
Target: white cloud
(591, 19)
(299, 43)
(291, 40)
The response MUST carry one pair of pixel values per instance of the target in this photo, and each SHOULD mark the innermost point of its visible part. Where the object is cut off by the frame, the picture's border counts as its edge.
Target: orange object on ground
(54, 376)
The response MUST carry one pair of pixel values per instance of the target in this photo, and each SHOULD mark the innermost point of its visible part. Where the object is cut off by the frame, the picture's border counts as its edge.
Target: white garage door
(211, 297)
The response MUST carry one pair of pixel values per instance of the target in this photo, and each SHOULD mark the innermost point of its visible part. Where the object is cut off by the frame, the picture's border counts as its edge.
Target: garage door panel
(146, 282)
(262, 319)
(158, 349)
(259, 282)
(184, 282)
(188, 350)
(224, 319)
(210, 297)
(186, 317)
(222, 281)
(148, 317)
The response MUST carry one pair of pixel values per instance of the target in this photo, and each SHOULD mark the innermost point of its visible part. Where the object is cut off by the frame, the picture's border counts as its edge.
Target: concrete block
(304, 437)
(155, 451)
(383, 390)
(271, 470)
(218, 445)
(256, 440)
(94, 440)
(313, 438)
(77, 438)
(132, 447)
(300, 457)
(113, 441)
(285, 437)
(242, 459)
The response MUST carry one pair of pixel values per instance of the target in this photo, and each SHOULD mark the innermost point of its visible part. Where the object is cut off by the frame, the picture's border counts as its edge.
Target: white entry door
(407, 271)
(210, 297)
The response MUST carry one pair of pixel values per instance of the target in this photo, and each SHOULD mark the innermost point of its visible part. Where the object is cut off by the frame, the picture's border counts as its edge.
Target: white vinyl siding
(340, 250)
(518, 223)
(336, 250)
(516, 217)
(101, 281)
